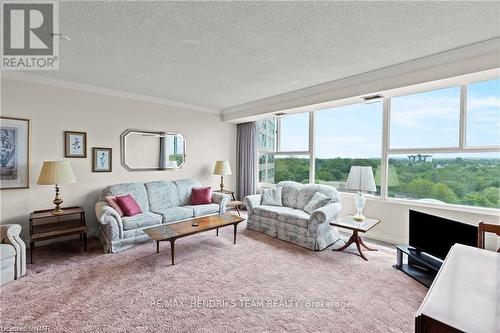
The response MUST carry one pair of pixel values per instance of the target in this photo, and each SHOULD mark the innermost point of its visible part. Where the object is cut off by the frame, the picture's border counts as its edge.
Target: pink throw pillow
(201, 195)
(128, 205)
(114, 204)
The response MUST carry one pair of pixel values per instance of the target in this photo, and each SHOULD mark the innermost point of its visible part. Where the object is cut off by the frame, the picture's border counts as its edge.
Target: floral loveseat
(290, 222)
(160, 201)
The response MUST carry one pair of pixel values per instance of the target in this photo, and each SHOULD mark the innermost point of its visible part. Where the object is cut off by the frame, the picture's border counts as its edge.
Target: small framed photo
(75, 144)
(14, 153)
(101, 159)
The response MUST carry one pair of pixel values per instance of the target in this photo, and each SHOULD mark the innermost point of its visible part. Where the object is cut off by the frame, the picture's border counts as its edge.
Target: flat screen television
(436, 235)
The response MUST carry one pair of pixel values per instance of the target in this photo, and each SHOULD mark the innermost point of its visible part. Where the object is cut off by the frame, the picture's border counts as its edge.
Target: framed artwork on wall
(14, 153)
(75, 144)
(101, 159)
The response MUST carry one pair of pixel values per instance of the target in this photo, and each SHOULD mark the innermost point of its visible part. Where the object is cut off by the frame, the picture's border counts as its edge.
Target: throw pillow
(129, 206)
(201, 195)
(272, 196)
(114, 204)
(317, 201)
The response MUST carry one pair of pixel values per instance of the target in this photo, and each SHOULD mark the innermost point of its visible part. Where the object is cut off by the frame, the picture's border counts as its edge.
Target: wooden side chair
(483, 229)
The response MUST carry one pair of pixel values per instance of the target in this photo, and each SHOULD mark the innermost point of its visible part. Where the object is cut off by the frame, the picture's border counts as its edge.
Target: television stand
(419, 266)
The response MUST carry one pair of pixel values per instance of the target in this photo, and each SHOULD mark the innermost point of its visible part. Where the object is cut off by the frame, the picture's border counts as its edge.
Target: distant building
(419, 158)
(266, 130)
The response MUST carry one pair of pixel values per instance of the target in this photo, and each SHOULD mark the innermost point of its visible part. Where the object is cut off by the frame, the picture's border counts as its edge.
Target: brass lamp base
(57, 201)
(221, 183)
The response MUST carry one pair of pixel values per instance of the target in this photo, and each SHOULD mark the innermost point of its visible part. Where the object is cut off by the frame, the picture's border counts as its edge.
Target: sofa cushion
(173, 214)
(114, 204)
(272, 197)
(200, 210)
(296, 217)
(137, 190)
(317, 201)
(201, 195)
(271, 212)
(290, 194)
(146, 219)
(129, 206)
(297, 195)
(184, 187)
(162, 195)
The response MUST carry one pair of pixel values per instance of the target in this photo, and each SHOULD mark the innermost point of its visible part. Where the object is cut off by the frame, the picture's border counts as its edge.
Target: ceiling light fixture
(61, 36)
(373, 99)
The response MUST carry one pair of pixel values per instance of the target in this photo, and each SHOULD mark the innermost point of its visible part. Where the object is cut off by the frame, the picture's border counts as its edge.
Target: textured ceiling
(221, 54)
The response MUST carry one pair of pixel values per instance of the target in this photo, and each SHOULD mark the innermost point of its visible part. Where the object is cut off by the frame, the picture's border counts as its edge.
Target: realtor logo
(28, 36)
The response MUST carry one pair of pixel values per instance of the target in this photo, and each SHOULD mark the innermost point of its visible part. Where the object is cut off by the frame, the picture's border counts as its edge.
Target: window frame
(387, 150)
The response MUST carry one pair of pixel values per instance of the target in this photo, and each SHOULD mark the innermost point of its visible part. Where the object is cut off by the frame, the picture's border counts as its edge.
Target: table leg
(172, 249)
(235, 228)
(237, 209)
(32, 249)
(217, 232)
(85, 242)
(360, 252)
(157, 247)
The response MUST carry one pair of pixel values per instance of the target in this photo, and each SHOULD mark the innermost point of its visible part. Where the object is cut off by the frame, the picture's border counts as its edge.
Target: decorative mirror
(143, 150)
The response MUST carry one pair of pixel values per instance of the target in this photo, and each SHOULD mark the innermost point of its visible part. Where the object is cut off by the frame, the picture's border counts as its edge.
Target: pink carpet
(260, 284)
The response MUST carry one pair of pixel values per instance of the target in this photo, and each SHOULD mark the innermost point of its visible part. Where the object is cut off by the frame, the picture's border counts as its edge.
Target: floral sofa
(160, 201)
(290, 222)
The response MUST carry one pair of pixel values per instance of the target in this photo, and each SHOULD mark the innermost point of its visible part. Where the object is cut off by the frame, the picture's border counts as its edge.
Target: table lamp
(360, 179)
(56, 173)
(222, 168)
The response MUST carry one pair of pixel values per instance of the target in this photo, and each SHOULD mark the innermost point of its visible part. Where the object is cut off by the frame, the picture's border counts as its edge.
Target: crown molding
(31, 78)
(463, 60)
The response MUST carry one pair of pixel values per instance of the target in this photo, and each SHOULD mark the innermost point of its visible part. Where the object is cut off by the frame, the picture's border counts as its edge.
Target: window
(440, 146)
(429, 119)
(294, 132)
(284, 149)
(483, 113)
(465, 179)
(342, 140)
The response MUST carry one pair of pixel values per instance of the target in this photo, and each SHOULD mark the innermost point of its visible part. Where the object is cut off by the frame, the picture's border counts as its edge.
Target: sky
(429, 119)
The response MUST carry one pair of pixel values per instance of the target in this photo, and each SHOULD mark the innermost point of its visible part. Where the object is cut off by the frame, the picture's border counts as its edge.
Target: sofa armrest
(324, 214)
(252, 201)
(109, 219)
(222, 200)
(9, 234)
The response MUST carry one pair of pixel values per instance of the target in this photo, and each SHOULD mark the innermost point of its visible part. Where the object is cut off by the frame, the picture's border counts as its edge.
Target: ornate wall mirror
(143, 150)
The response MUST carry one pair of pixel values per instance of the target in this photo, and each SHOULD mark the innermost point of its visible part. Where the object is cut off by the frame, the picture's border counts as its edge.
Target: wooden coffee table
(172, 231)
(347, 222)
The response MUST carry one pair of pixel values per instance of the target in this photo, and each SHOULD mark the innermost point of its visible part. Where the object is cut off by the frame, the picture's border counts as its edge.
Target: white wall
(54, 110)
(394, 227)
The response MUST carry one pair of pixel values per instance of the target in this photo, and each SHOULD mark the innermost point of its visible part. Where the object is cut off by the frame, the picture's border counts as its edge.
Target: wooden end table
(233, 203)
(347, 222)
(45, 225)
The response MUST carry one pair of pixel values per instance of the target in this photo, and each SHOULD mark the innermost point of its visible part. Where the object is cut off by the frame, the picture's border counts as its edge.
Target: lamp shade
(55, 173)
(361, 179)
(222, 168)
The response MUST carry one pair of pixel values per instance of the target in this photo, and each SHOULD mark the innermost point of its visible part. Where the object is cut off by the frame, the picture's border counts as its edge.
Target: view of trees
(466, 181)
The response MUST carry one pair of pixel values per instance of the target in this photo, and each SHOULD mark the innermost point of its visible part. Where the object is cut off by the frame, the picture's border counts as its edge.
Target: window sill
(407, 202)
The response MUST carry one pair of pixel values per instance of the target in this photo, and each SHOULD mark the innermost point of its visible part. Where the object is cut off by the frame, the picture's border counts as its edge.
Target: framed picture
(14, 153)
(75, 144)
(101, 159)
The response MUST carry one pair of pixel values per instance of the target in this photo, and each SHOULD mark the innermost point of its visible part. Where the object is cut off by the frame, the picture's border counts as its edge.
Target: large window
(343, 140)
(287, 158)
(440, 146)
(417, 119)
